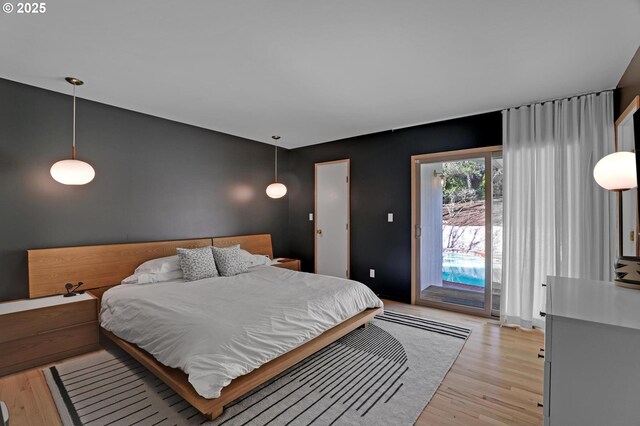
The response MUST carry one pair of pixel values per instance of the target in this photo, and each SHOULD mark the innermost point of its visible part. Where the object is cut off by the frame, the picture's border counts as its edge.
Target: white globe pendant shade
(72, 172)
(617, 171)
(276, 190)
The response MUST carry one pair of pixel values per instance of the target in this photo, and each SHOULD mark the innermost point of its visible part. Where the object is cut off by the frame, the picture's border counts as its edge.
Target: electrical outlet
(389, 217)
(372, 273)
(311, 217)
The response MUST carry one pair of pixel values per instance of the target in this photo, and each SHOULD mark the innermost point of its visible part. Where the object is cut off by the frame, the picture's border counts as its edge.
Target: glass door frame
(416, 160)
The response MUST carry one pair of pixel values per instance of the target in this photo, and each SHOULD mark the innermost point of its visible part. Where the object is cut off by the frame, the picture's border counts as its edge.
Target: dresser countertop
(596, 301)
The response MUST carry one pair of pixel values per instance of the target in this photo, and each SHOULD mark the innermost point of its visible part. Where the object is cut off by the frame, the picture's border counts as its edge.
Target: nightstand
(293, 264)
(38, 331)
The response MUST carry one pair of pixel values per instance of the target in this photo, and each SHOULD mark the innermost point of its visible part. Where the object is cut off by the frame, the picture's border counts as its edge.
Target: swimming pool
(463, 268)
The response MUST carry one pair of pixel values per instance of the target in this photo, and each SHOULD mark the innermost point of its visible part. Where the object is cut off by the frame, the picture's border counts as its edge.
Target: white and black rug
(384, 374)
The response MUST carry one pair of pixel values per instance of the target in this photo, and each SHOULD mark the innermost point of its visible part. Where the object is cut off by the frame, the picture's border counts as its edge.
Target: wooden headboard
(106, 265)
(255, 244)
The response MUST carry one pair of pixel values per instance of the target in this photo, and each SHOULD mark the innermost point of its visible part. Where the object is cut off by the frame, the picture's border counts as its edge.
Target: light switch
(389, 217)
(311, 217)
(372, 273)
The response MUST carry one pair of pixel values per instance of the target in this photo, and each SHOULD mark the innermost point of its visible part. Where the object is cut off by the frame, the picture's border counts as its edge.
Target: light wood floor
(496, 380)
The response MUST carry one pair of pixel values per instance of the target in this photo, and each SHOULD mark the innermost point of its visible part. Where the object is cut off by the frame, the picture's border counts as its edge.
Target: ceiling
(317, 71)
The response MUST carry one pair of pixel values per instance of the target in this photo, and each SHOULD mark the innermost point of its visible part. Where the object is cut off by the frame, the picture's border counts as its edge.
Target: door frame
(486, 153)
(315, 213)
(630, 111)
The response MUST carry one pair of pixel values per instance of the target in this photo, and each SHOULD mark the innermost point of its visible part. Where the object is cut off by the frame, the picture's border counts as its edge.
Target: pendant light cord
(275, 144)
(73, 148)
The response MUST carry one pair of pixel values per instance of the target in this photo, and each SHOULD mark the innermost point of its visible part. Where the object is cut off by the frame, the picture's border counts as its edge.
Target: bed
(267, 319)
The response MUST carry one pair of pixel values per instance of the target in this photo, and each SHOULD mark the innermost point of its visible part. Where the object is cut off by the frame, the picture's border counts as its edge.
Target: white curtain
(431, 224)
(557, 220)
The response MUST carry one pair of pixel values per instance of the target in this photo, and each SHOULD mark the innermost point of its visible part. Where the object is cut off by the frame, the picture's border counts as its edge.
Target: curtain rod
(560, 99)
(408, 126)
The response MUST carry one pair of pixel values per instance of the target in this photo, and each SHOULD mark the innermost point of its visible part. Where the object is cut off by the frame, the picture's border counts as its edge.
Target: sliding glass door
(457, 247)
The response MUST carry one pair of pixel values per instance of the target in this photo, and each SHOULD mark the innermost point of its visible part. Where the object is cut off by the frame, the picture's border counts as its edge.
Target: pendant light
(73, 172)
(276, 189)
(617, 171)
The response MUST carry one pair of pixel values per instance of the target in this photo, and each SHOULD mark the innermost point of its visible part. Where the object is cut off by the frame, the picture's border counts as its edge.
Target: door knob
(319, 231)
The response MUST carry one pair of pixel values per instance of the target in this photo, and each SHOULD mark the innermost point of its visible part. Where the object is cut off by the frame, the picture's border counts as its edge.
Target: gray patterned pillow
(197, 264)
(229, 260)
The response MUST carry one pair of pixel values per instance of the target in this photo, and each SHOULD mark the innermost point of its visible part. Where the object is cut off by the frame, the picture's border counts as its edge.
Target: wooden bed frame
(104, 266)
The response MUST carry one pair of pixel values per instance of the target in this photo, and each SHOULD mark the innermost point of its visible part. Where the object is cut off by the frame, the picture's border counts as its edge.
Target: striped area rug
(382, 375)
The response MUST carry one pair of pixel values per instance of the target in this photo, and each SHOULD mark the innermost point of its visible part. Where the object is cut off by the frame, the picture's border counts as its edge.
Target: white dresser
(592, 354)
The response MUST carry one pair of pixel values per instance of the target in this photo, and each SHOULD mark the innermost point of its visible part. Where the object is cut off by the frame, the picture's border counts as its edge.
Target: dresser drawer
(22, 324)
(548, 333)
(546, 409)
(48, 346)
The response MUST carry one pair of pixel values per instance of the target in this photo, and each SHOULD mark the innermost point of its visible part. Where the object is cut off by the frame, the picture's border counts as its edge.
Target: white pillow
(259, 259)
(253, 259)
(161, 264)
(152, 277)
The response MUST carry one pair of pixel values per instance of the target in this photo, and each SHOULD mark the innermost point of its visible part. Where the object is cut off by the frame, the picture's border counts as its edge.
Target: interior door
(332, 218)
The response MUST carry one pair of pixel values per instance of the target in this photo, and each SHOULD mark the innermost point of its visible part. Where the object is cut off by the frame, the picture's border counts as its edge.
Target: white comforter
(218, 329)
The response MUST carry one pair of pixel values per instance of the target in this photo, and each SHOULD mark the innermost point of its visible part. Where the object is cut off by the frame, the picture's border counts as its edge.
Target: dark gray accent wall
(380, 184)
(155, 180)
(629, 85)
